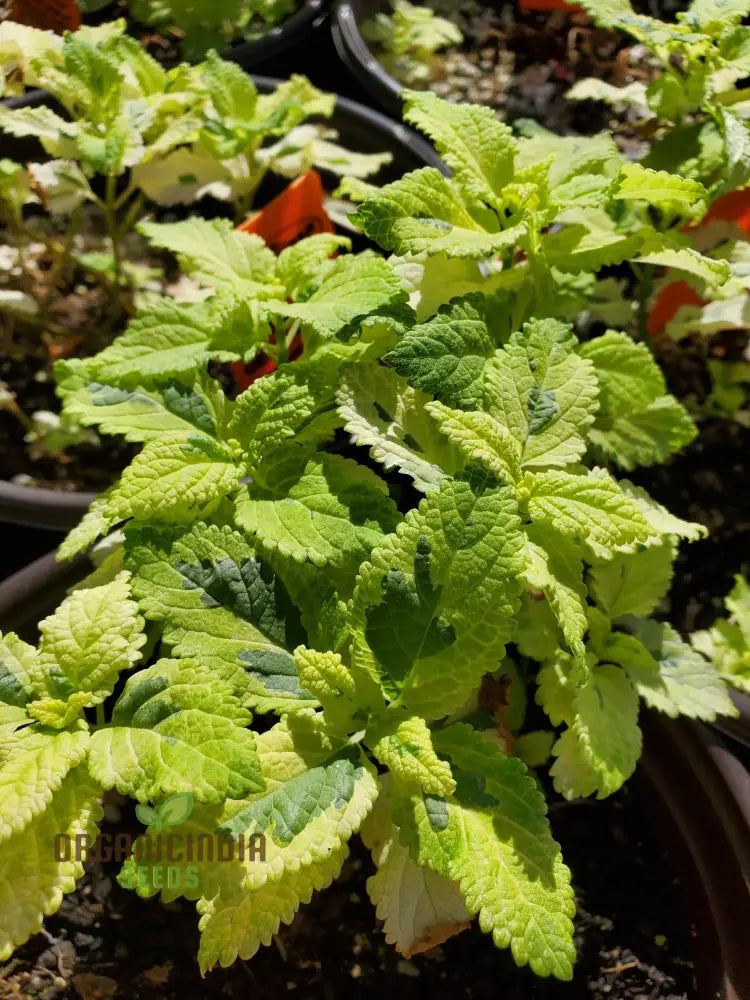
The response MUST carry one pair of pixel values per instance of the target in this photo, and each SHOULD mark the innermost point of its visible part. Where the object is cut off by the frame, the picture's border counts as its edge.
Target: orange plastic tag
(732, 207)
(667, 302)
(51, 15)
(298, 211)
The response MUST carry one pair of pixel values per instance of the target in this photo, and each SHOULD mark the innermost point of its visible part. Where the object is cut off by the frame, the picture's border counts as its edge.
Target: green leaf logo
(176, 809)
(171, 812)
(147, 815)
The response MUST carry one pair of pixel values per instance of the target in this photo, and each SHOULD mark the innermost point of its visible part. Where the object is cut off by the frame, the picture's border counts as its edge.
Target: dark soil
(84, 315)
(632, 935)
(88, 467)
(523, 62)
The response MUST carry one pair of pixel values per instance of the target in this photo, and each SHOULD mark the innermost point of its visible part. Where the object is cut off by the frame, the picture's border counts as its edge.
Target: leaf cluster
(391, 543)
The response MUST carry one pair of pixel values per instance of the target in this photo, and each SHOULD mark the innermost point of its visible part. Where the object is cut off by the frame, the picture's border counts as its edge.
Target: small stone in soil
(406, 968)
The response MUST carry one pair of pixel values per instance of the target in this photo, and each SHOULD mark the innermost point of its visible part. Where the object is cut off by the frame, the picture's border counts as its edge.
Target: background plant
(167, 136)
(727, 642)
(398, 642)
(695, 112)
(125, 135)
(203, 25)
(408, 39)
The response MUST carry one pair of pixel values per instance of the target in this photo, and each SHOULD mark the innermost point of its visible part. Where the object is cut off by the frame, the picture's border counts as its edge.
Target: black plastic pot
(739, 728)
(360, 127)
(695, 786)
(358, 57)
(35, 591)
(700, 792)
(296, 30)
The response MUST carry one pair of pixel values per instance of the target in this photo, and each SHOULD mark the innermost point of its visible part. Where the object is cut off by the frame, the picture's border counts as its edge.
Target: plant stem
(100, 717)
(110, 214)
(61, 261)
(10, 404)
(133, 212)
(645, 278)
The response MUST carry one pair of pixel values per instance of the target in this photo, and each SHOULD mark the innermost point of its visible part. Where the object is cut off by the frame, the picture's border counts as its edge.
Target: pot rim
(355, 53)
(279, 38)
(37, 507)
(738, 728)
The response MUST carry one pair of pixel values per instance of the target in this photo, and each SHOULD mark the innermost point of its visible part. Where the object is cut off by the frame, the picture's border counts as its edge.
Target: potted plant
(694, 120)
(188, 146)
(727, 645)
(396, 543)
(510, 57)
(249, 32)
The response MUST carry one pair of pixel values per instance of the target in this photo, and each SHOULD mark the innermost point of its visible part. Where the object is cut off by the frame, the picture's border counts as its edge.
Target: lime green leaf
(233, 93)
(168, 736)
(32, 880)
(321, 791)
(168, 340)
(534, 748)
(305, 262)
(21, 676)
(93, 637)
(706, 14)
(236, 925)
(633, 584)
(330, 511)
(593, 89)
(591, 509)
(419, 908)
(253, 902)
(543, 393)
(275, 409)
(493, 839)
(221, 605)
(97, 520)
(217, 255)
(663, 250)
(661, 189)
(423, 212)
(662, 522)
(143, 414)
(326, 677)
(355, 286)
(601, 747)
(433, 608)
(480, 439)
(475, 145)
(55, 133)
(629, 653)
(402, 743)
(447, 355)
(172, 478)
(646, 436)
(686, 684)
(738, 605)
(555, 567)
(558, 682)
(627, 374)
(638, 423)
(34, 766)
(379, 409)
